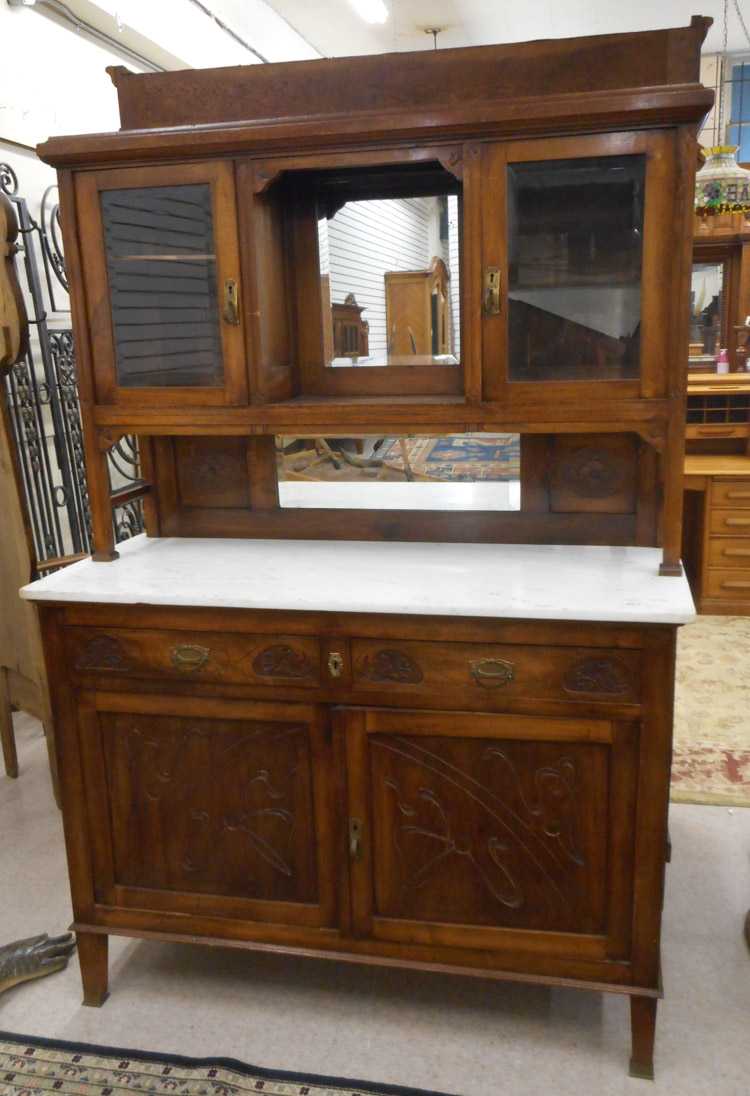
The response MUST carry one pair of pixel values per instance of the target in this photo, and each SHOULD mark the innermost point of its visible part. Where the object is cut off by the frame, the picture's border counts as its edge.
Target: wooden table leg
(7, 736)
(92, 957)
(643, 1028)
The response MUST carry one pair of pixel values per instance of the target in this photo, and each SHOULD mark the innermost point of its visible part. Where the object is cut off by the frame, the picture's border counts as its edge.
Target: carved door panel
(207, 806)
(482, 831)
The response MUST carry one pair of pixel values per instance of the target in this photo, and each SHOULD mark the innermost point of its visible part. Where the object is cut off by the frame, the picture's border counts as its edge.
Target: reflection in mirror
(455, 472)
(389, 271)
(575, 230)
(706, 313)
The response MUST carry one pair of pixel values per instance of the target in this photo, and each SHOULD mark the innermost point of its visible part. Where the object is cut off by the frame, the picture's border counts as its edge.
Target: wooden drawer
(731, 522)
(729, 552)
(734, 493)
(736, 430)
(200, 656)
(725, 583)
(501, 670)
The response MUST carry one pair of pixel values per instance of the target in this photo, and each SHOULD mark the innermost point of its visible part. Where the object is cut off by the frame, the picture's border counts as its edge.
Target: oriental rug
(711, 761)
(30, 1065)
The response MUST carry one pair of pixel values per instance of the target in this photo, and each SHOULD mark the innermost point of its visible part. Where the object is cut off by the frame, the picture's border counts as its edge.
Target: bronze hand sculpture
(35, 957)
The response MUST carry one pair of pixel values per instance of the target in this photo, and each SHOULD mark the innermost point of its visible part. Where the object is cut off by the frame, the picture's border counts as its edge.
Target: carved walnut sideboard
(418, 737)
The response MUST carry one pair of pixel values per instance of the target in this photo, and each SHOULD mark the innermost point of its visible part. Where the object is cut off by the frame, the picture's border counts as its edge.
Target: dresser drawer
(230, 657)
(729, 552)
(736, 522)
(734, 493)
(728, 584)
(738, 430)
(495, 670)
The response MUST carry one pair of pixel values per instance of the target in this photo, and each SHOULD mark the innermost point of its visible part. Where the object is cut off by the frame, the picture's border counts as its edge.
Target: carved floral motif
(102, 652)
(281, 660)
(592, 473)
(391, 665)
(597, 675)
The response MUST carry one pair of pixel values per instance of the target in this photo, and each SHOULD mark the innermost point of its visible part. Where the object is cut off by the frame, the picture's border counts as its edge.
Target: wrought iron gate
(42, 395)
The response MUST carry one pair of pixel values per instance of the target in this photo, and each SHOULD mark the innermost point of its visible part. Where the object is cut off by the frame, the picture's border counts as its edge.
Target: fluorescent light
(372, 11)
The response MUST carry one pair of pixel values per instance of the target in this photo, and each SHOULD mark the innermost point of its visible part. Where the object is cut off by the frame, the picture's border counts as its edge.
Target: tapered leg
(7, 737)
(49, 734)
(643, 1028)
(92, 956)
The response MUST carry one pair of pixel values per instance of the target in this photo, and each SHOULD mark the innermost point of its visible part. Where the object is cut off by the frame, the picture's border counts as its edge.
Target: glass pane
(449, 472)
(706, 313)
(389, 271)
(161, 265)
(575, 230)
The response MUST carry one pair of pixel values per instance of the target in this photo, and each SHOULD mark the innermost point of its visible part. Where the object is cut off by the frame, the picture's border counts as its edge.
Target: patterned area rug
(32, 1065)
(711, 762)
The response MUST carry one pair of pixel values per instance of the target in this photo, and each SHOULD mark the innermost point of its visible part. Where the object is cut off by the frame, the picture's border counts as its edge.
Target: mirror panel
(456, 472)
(707, 326)
(390, 279)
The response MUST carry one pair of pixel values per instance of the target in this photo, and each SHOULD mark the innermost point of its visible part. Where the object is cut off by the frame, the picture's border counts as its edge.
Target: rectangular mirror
(456, 472)
(388, 245)
(575, 243)
(707, 327)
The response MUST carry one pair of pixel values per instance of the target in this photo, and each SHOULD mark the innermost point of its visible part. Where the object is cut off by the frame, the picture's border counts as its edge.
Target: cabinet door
(485, 831)
(209, 807)
(579, 231)
(161, 263)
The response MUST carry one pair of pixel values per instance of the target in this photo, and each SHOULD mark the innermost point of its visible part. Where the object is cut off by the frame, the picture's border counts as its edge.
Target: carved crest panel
(484, 832)
(222, 807)
(281, 660)
(390, 665)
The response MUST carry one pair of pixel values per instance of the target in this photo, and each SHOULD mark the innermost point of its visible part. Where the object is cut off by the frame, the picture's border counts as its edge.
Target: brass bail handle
(188, 657)
(231, 302)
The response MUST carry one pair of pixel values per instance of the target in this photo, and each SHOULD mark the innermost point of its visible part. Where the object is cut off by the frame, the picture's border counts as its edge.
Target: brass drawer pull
(492, 673)
(335, 664)
(737, 521)
(717, 432)
(188, 657)
(735, 584)
(738, 494)
(736, 552)
(231, 303)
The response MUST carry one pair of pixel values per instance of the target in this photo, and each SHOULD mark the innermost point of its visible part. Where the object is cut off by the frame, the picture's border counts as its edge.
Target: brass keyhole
(335, 664)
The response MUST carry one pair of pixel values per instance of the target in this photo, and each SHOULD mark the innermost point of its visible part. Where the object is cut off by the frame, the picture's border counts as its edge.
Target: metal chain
(722, 66)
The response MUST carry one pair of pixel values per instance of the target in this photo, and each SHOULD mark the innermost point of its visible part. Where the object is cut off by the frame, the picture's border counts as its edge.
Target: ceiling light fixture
(372, 11)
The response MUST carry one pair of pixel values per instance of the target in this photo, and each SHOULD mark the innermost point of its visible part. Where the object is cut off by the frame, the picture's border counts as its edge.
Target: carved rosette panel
(598, 676)
(391, 665)
(103, 653)
(281, 660)
(592, 473)
(474, 831)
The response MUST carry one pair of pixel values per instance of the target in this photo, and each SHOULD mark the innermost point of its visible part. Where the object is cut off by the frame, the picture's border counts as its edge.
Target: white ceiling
(334, 29)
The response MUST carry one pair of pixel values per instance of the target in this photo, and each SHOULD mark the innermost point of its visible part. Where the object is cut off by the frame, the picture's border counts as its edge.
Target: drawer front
(199, 656)
(729, 552)
(495, 670)
(731, 493)
(728, 584)
(734, 522)
(739, 430)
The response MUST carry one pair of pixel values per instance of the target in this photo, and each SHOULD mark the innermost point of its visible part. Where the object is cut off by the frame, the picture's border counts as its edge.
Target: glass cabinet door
(170, 281)
(578, 257)
(575, 233)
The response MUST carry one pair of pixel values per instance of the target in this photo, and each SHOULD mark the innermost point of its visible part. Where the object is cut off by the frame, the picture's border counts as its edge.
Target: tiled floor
(457, 1035)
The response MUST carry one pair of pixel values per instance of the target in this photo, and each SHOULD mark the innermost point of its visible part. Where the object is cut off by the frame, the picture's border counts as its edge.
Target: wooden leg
(7, 737)
(49, 734)
(643, 1028)
(92, 957)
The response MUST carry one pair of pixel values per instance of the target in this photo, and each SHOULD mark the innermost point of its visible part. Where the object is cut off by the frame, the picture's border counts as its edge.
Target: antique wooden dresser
(413, 735)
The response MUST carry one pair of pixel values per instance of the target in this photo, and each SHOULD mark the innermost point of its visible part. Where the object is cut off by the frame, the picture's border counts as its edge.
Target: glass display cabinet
(389, 678)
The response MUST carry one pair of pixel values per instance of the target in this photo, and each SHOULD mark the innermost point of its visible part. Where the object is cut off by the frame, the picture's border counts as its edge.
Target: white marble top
(543, 582)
